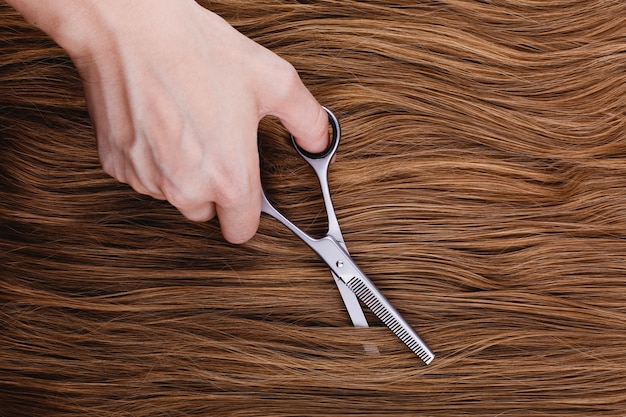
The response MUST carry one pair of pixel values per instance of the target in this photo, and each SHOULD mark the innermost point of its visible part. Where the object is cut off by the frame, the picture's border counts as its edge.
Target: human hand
(175, 95)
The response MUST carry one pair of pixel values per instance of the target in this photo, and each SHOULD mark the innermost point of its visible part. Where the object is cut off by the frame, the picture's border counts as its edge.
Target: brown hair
(481, 184)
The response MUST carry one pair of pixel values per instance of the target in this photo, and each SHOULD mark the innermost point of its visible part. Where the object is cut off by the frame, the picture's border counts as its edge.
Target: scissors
(353, 284)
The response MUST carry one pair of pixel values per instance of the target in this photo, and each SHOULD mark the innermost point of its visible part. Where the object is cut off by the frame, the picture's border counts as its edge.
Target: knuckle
(235, 187)
(107, 161)
(290, 74)
(290, 80)
(190, 204)
(113, 160)
(177, 198)
(230, 193)
(108, 166)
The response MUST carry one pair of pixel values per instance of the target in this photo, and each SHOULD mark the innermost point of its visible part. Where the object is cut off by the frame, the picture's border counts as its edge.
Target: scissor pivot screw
(339, 264)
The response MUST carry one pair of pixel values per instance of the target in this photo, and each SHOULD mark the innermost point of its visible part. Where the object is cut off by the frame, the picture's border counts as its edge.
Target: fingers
(237, 184)
(227, 184)
(235, 198)
(239, 219)
(238, 201)
(192, 138)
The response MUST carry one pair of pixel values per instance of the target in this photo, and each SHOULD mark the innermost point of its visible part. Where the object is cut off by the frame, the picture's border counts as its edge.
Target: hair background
(480, 183)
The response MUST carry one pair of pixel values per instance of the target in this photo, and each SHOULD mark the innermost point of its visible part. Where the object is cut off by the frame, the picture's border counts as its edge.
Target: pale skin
(175, 95)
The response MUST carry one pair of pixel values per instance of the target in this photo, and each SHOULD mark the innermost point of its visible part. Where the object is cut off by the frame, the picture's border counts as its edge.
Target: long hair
(480, 183)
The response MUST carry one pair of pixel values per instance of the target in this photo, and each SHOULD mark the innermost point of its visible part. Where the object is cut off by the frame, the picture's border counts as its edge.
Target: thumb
(311, 131)
(303, 116)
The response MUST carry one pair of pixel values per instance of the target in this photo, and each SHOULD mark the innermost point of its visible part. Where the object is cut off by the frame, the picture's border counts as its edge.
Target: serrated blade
(375, 301)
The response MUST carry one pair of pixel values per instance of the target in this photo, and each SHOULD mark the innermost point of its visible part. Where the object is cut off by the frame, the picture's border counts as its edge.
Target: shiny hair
(480, 183)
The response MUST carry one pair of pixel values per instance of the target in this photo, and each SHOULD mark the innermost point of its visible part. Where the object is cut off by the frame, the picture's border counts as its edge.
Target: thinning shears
(351, 281)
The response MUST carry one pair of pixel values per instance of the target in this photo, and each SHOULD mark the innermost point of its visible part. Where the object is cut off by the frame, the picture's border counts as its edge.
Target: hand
(176, 94)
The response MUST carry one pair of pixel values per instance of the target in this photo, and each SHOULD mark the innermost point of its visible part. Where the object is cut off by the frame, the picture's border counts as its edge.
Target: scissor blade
(369, 294)
(352, 303)
(354, 311)
(342, 265)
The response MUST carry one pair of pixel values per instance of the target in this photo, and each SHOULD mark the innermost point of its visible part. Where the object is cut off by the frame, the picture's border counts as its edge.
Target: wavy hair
(481, 184)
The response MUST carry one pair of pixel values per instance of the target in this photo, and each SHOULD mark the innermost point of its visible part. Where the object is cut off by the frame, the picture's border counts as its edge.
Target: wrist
(67, 22)
(83, 26)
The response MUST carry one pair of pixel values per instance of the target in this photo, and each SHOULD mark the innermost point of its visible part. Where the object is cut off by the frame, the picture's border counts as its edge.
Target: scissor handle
(327, 155)
(320, 163)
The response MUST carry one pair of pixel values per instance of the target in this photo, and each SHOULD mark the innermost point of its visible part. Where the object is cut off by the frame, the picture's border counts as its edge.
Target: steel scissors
(351, 281)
